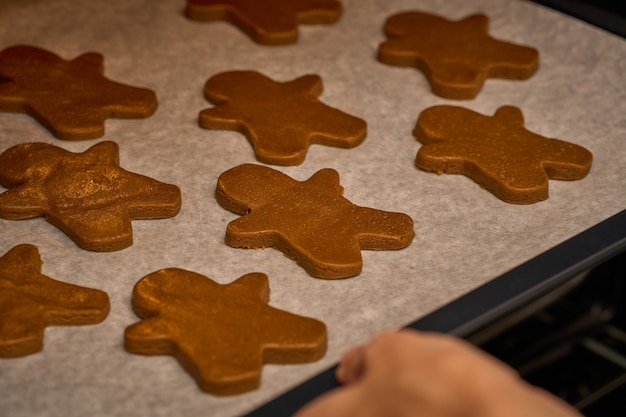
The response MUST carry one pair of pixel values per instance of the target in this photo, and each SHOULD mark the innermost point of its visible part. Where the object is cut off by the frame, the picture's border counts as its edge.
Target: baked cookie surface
(221, 334)
(70, 98)
(497, 152)
(31, 301)
(309, 221)
(455, 56)
(86, 195)
(268, 22)
(280, 119)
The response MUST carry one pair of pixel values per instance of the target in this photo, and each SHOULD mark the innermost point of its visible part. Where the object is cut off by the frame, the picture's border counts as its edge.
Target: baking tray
(465, 237)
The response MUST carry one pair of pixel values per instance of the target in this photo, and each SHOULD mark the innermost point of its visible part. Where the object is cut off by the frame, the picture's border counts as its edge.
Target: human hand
(409, 373)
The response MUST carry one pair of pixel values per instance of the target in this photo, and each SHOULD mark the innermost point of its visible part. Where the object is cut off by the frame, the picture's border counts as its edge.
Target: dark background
(607, 14)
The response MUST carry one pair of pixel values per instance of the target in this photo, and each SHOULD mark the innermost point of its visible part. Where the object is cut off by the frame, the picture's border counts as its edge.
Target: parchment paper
(464, 235)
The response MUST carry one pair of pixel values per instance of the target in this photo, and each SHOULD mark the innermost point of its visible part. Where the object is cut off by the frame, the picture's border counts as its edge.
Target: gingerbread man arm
(17, 163)
(221, 89)
(12, 58)
(307, 84)
(225, 117)
(86, 123)
(103, 229)
(321, 260)
(567, 161)
(90, 61)
(275, 22)
(478, 23)
(23, 203)
(103, 153)
(290, 146)
(327, 178)
(384, 230)
(261, 25)
(318, 11)
(65, 303)
(150, 336)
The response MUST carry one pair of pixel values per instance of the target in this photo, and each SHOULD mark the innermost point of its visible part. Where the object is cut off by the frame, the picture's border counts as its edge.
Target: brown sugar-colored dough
(70, 98)
(268, 22)
(86, 195)
(497, 152)
(30, 301)
(221, 334)
(309, 221)
(455, 56)
(280, 119)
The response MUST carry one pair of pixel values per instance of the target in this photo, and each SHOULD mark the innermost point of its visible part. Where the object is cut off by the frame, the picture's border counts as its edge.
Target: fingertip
(351, 366)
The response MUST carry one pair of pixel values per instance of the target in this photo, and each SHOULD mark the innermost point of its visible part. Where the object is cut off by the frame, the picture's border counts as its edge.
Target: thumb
(351, 366)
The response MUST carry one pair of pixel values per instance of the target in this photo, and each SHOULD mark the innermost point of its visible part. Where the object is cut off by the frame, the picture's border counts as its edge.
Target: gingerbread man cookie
(70, 98)
(308, 221)
(280, 119)
(497, 152)
(268, 22)
(221, 334)
(455, 56)
(30, 301)
(86, 195)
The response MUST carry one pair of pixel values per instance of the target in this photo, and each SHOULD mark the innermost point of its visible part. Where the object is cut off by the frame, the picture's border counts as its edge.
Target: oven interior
(572, 341)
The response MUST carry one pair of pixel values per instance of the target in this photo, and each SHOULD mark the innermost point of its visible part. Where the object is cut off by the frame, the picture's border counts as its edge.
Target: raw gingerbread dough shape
(267, 22)
(309, 221)
(30, 301)
(70, 98)
(221, 334)
(280, 119)
(86, 195)
(455, 56)
(497, 152)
